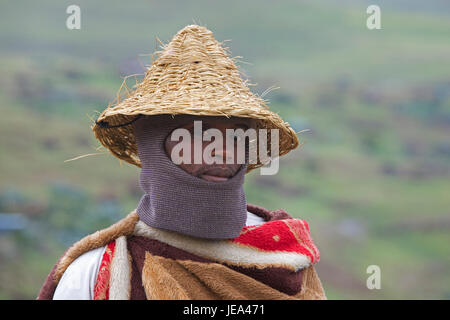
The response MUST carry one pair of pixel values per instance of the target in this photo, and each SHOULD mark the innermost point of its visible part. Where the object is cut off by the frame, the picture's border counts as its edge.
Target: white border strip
(120, 285)
(224, 250)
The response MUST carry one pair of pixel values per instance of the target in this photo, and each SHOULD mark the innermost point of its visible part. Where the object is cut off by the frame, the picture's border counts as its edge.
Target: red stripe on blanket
(101, 289)
(287, 235)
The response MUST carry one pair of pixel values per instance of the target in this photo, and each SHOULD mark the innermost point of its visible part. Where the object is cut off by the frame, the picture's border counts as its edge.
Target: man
(192, 235)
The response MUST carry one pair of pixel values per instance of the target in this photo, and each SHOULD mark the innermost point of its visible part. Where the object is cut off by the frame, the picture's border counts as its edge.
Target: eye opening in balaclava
(222, 169)
(178, 201)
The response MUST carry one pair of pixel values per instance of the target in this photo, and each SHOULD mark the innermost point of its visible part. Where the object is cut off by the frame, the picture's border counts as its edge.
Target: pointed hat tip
(194, 28)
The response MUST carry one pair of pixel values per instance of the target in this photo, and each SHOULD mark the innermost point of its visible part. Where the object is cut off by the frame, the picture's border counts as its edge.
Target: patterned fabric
(151, 257)
(289, 235)
(274, 260)
(101, 289)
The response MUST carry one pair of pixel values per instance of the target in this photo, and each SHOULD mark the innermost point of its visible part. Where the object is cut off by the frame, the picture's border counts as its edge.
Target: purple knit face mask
(178, 201)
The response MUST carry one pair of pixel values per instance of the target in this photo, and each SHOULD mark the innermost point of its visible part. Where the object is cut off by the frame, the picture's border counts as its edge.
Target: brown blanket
(271, 261)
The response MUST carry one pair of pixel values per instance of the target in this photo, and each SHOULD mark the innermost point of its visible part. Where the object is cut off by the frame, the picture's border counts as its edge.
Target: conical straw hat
(192, 75)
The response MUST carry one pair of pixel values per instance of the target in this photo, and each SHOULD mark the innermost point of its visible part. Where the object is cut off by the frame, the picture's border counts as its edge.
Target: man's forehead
(220, 120)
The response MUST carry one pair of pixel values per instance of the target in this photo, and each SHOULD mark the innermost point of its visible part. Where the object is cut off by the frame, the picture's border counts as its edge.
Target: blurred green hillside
(372, 177)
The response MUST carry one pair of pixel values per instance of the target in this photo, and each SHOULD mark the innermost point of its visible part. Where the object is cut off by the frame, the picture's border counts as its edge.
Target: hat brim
(119, 139)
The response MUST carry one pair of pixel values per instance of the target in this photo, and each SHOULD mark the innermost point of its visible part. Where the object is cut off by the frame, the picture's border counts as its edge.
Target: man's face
(212, 172)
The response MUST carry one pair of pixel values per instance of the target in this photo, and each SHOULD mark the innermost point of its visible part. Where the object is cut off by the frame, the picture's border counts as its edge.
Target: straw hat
(192, 75)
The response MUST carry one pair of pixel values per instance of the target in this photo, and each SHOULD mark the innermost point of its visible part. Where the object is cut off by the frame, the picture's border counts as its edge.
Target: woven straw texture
(191, 75)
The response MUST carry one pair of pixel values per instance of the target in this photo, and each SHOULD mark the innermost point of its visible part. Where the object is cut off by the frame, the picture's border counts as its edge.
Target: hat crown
(192, 74)
(194, 65)
(194, 44)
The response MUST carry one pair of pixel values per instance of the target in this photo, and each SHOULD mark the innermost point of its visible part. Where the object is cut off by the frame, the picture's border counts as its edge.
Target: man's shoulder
(266, 214)
(79, 278)
(86, 247)
(96, 240)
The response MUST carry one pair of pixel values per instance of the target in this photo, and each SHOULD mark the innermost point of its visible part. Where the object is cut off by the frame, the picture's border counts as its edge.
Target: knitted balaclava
(178, 201)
